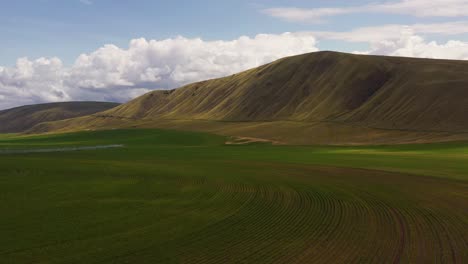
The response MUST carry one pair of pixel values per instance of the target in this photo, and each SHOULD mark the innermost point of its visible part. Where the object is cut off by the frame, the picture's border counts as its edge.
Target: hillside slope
(25, 117)
(374, 92)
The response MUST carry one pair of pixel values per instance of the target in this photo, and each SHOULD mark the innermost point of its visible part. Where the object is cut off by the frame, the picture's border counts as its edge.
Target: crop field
(184, 197)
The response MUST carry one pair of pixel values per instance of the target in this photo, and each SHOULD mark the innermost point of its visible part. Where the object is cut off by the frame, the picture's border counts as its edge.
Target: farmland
(185, 197)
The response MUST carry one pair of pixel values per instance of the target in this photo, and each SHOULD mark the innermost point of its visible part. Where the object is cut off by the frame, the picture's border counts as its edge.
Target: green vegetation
(185, 197)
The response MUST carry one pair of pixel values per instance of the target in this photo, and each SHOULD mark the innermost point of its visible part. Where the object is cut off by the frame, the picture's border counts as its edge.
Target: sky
(116, 50)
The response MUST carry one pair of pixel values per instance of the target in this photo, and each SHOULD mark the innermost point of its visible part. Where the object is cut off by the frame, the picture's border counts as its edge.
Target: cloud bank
(115, 74)
(418, 8)
(112, 73)
(394, 31)
(411, 45)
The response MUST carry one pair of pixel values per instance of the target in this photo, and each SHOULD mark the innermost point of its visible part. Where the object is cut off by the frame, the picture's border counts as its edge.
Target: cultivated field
(184, 197)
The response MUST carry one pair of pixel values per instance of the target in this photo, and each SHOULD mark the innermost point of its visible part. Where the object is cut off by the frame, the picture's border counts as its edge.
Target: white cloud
(411, 45)
(424, 8)
(115, 74)
(394, 31)
(32, 81)
(418, 8)
(112, 73)
(406, 40)
(313, 15)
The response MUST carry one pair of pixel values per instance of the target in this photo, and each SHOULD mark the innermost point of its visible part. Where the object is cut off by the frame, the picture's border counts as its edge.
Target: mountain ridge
(375, 92)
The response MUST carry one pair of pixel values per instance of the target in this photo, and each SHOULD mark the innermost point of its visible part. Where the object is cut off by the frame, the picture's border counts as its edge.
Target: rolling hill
(322, 97)
(25, 117)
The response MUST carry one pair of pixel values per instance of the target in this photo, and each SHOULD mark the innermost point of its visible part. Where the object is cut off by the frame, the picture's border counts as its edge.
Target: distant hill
(328, 97)
(25, 117)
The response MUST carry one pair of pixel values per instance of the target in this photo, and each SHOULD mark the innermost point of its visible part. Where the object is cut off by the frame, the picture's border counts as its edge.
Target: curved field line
(284, 212)
(307, 216)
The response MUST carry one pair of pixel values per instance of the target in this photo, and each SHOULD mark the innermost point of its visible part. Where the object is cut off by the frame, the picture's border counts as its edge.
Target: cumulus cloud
(411, 45)
(172, 62)
(29, 82)
(418, 8)
(406, 40)
(112, 73)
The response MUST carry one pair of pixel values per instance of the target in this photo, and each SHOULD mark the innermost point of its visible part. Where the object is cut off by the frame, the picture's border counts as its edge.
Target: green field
(184, 197)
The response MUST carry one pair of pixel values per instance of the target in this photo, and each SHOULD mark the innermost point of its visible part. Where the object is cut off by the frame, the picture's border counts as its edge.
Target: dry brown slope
(304, 88)
(387, 92)
(22, 118)
(374, 92)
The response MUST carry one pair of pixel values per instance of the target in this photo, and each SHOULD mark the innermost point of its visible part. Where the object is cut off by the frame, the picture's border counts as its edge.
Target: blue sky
(115, 50)
(67, 28)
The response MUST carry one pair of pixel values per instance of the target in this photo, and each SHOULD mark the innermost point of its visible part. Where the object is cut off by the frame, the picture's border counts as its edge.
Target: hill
(25, 117)
(322, 97)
